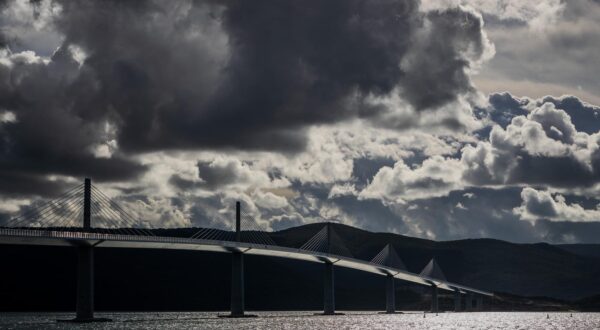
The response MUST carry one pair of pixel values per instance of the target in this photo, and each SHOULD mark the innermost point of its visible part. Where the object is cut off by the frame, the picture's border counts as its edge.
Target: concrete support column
(390, 295)
(469, 302)
(457, 302)
(434, 299)
(85, 283)
(328, 290)
(237, 284)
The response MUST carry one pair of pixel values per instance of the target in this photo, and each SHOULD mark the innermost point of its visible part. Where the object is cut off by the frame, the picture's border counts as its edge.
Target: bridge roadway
(100, 240)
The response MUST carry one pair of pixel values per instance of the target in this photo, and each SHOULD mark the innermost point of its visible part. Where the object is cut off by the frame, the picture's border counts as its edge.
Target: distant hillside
(522, 269)
(589, 304)
(586, 250)
(43, 278)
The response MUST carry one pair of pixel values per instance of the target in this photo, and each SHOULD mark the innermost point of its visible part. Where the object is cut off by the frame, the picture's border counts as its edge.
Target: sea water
(307, 320)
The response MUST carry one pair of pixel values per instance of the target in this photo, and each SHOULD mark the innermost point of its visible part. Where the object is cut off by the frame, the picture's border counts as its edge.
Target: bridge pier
(390, 295)
(479, 303)
(469, 302)
(328, 290)
(237, 284)
(457, 301)
(434, 299)
(85, 283)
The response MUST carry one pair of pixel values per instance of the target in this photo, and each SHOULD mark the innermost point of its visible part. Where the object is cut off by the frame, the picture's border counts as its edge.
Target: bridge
(67, 221)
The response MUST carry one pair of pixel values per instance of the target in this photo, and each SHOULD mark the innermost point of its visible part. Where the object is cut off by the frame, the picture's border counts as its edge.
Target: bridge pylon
(237, 272)
(388, 257)
(433, 272)
(328, 244)
(85, 266)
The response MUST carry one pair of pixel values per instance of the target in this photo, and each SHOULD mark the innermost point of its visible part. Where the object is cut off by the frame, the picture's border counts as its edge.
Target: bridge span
(318, 249)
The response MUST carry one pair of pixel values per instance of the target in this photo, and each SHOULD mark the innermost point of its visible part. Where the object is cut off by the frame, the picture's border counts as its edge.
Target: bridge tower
(329, 246)
(237, 272)
(434, 272)
(85, 265)
(388, 257)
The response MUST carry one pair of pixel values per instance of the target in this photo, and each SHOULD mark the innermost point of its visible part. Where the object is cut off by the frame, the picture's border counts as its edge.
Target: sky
(435, 119)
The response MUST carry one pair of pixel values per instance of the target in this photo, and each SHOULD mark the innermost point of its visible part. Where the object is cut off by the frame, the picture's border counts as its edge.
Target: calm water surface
(306, 320)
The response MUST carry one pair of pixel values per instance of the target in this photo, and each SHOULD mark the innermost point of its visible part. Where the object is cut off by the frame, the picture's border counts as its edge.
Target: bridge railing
(78, 235)
(87, 236)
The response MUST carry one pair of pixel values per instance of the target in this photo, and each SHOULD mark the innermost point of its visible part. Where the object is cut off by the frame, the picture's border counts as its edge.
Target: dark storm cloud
(214, 176)
(48, 135)
(23, 185)
(286, 65)
(435, 74)
(218, 174)
(152, 75)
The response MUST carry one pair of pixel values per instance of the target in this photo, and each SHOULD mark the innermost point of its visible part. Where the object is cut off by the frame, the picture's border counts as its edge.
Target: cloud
(269, 200)
(187, 76)
(541, 204)
(452, 41)
(435, 177)
(543, 147)
(506, 10)
(543, 43)
(90, 85)
(45, 134)
(222, 173)
(342, 190)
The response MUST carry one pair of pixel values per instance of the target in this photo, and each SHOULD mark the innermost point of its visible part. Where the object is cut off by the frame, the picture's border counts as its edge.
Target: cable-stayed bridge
(85, 218)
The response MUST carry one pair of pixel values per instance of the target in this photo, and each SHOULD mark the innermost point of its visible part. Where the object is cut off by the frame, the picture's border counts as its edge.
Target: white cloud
(533, 12)
(346, 189)
(542, 204)
(7, 117)
(12, 205)
(436, 176)
(268, 200)
(510, 154)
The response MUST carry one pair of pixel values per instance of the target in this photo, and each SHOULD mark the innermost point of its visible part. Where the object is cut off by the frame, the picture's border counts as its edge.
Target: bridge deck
(64, 238)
